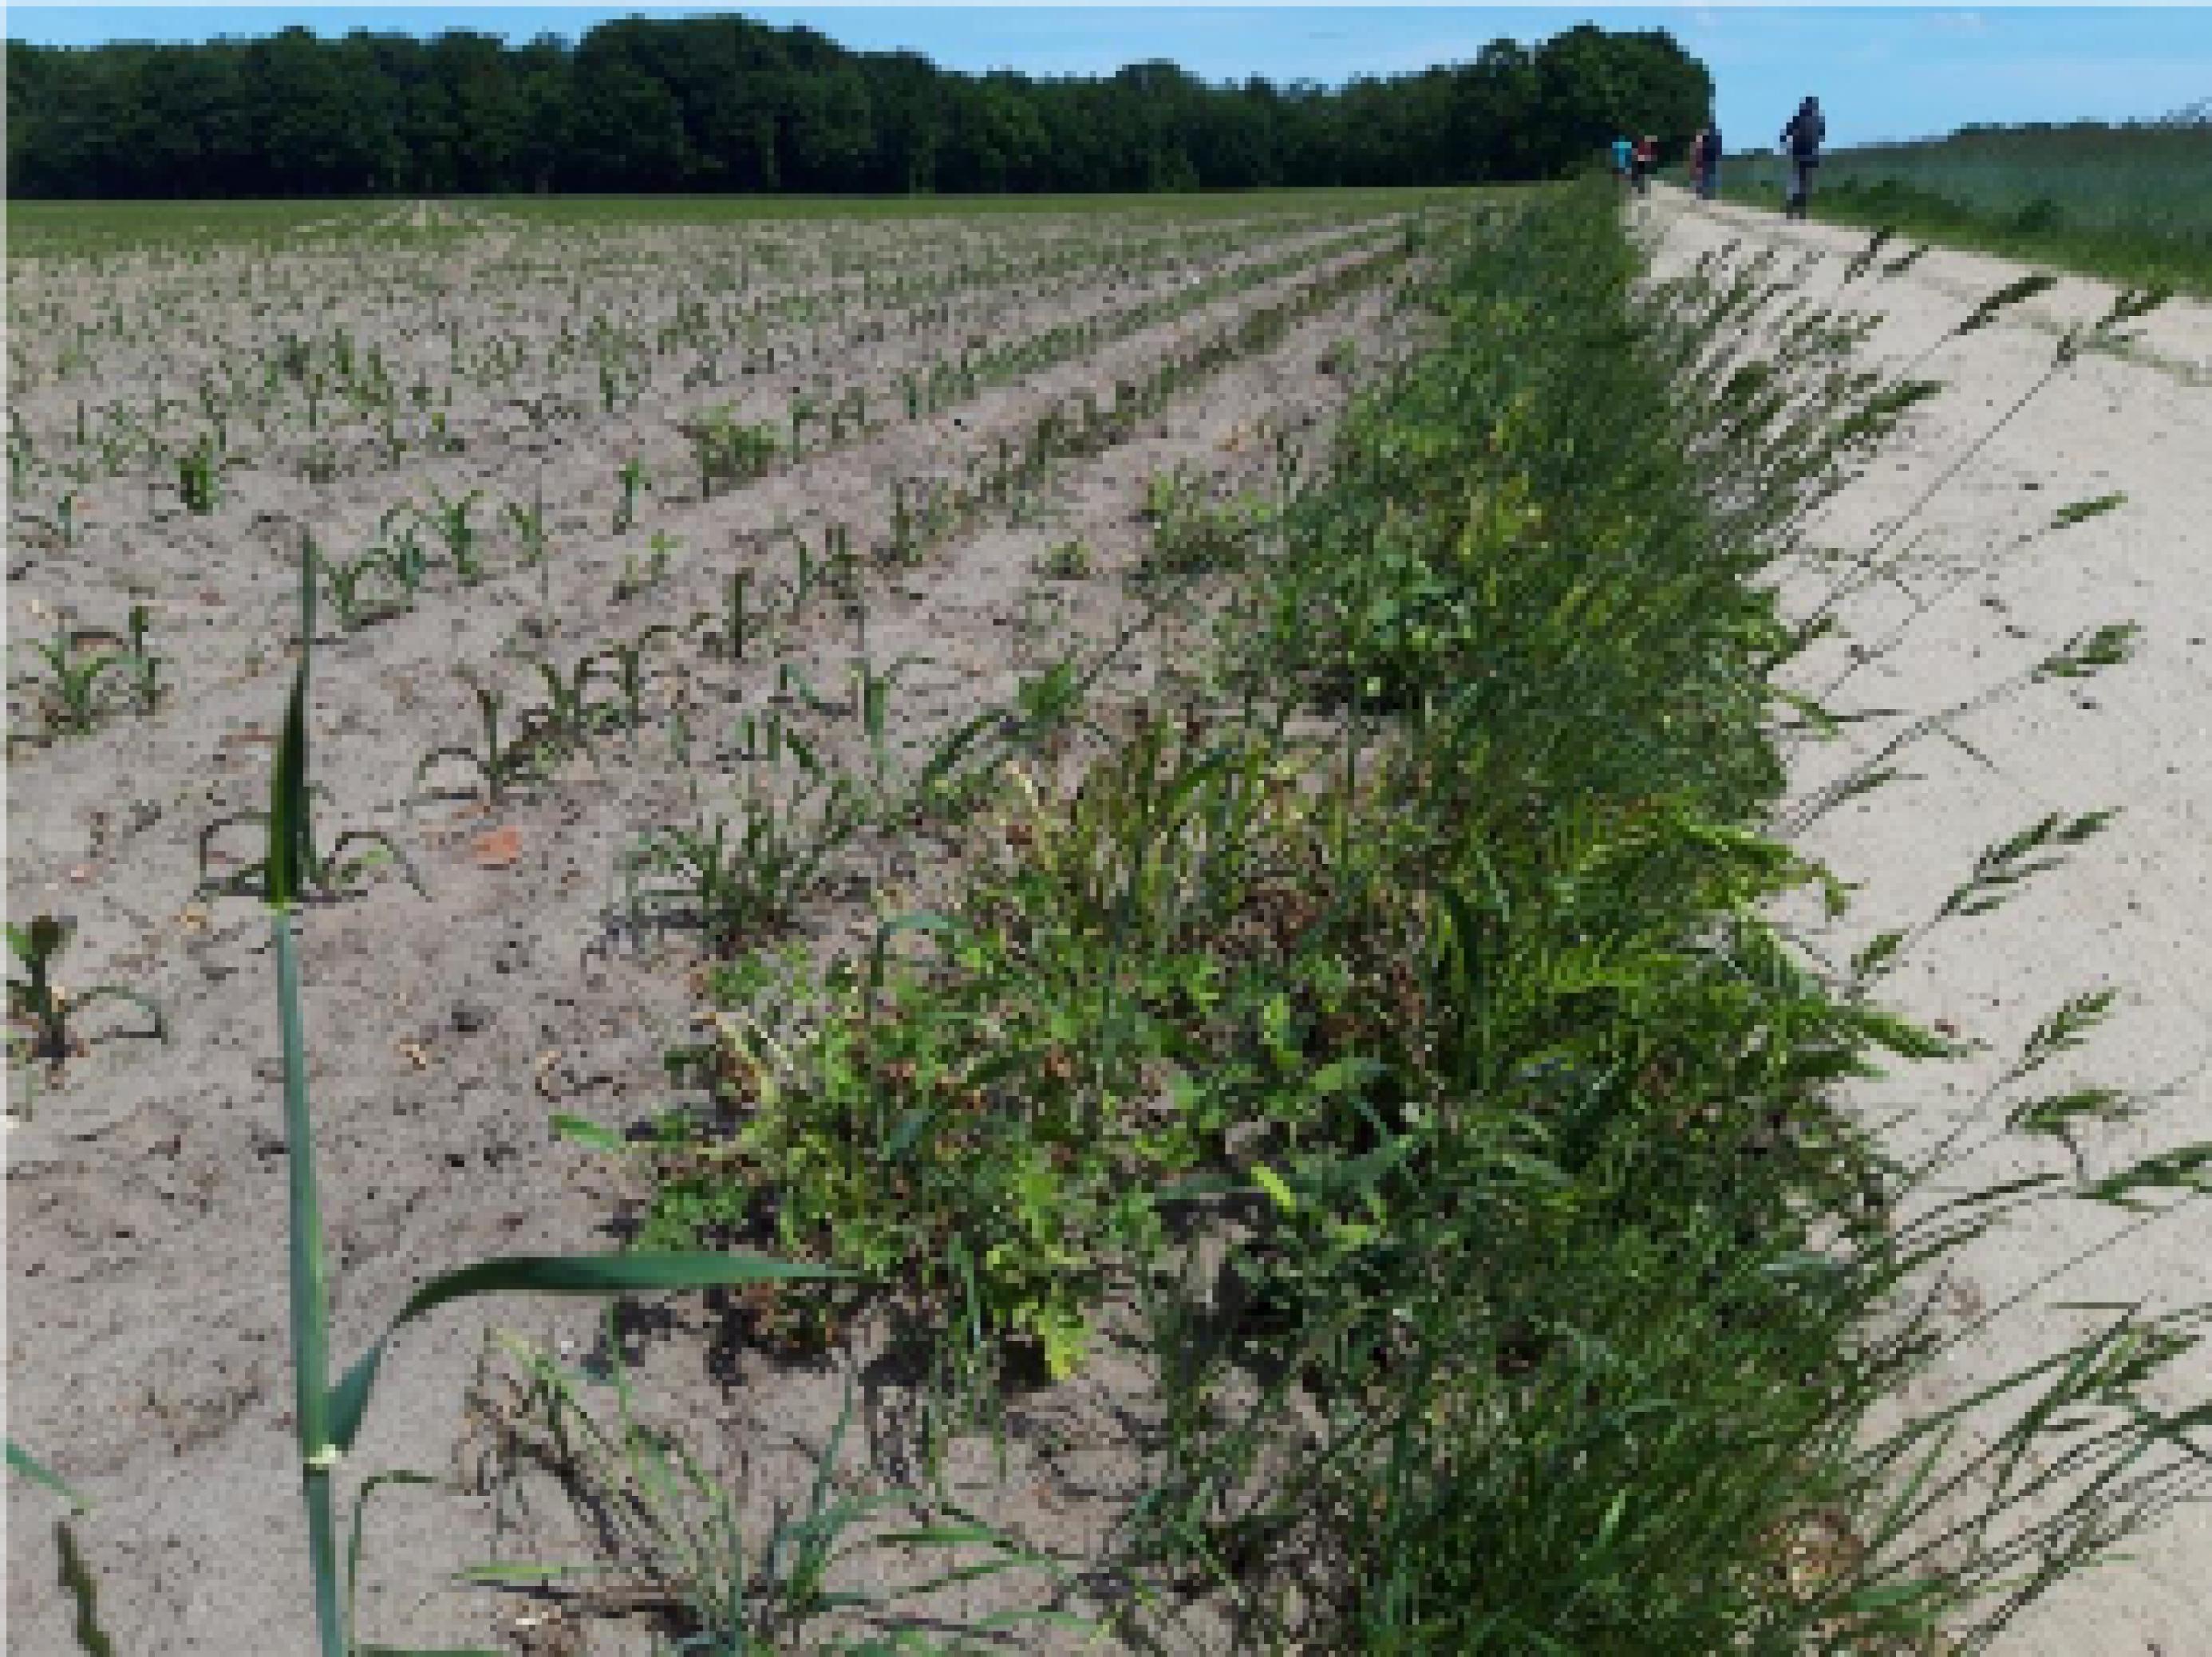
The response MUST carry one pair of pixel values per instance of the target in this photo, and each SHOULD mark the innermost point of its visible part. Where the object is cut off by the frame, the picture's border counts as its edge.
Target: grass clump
(1194, 533)
(728, 452)
(674, 1520)
(1066, 561)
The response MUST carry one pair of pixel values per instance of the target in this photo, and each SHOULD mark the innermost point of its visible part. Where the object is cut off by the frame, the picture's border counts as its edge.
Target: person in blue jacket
(1622, 154)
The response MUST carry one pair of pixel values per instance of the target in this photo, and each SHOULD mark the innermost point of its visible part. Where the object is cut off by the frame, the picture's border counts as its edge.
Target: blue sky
(1881, 72)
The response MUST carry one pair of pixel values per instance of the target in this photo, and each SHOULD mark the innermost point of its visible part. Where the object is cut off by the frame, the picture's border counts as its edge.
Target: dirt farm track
(2132, 915)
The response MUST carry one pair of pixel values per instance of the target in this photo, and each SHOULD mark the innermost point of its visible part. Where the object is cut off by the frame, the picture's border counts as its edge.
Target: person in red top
(1646, 158)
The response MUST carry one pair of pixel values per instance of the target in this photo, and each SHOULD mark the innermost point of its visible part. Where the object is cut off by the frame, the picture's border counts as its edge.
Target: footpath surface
(1985, 598)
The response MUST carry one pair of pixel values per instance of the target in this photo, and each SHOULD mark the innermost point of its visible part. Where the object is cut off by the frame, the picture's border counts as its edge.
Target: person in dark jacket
(1807, 129)
(1706, 162)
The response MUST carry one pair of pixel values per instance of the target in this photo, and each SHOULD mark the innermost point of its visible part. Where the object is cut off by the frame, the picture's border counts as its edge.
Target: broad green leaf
(532, 1274)
(1274, 1185)
(590, 1133)
(1350, 1075)
(288, 803)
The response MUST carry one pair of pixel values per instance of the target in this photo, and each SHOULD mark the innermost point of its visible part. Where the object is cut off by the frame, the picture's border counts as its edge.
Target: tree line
(726, 104)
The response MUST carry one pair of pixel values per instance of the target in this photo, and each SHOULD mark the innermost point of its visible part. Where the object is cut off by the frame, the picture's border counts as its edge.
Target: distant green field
(710, 209)
(48, 229)
(45, 229)
(2134, 202)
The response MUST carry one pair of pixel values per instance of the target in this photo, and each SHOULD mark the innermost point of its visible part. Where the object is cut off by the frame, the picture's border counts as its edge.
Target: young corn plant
(529, 523)
(726, 633)
(639, 577)
(910, 539)
(1070, 560)
(632, 481)
(1048, 707)
(627, 661)
(330, 872)
(732, 881)
(325, 871)
(328, 1416)
(617, 385)
(79, 662)
(346, 584)
(42, 1009)
(140, 664)
(727, 450)
(805, 412)
(199, 477)
(62, 526)
(1193, 534)
(841, 565)
(400, 537)
(21, 454)
(501, 765)
(568, 718)
(872, 705)
(450, 518)
(851, 409)
(319, 466)
(961, 773)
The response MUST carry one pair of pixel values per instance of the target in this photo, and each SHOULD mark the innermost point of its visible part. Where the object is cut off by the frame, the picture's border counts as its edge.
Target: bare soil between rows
(147, 1327)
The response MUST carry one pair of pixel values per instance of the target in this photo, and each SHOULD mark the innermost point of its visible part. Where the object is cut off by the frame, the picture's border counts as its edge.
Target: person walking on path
(1646, 157)
(1806, 131)
(1706, 162)
(1622, 150)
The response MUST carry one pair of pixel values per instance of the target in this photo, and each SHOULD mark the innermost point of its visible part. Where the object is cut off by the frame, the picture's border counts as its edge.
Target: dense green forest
(724, 104)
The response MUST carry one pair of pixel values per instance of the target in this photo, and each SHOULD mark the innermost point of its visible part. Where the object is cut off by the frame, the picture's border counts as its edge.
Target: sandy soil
(147, 1356)
(2129, 911)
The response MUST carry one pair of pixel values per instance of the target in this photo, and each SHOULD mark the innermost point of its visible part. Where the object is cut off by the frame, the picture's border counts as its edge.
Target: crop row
(318, 388)
(386, 577)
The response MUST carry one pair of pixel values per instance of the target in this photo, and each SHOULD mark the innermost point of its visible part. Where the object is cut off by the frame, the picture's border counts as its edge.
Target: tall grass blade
(77, 1582)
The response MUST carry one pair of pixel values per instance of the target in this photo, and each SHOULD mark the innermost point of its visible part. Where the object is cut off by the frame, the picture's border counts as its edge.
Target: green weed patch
(1554, 1278)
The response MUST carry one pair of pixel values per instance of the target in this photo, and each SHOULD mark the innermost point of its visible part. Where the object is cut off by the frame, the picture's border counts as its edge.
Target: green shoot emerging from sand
(329, 1416)
(41, 1011)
